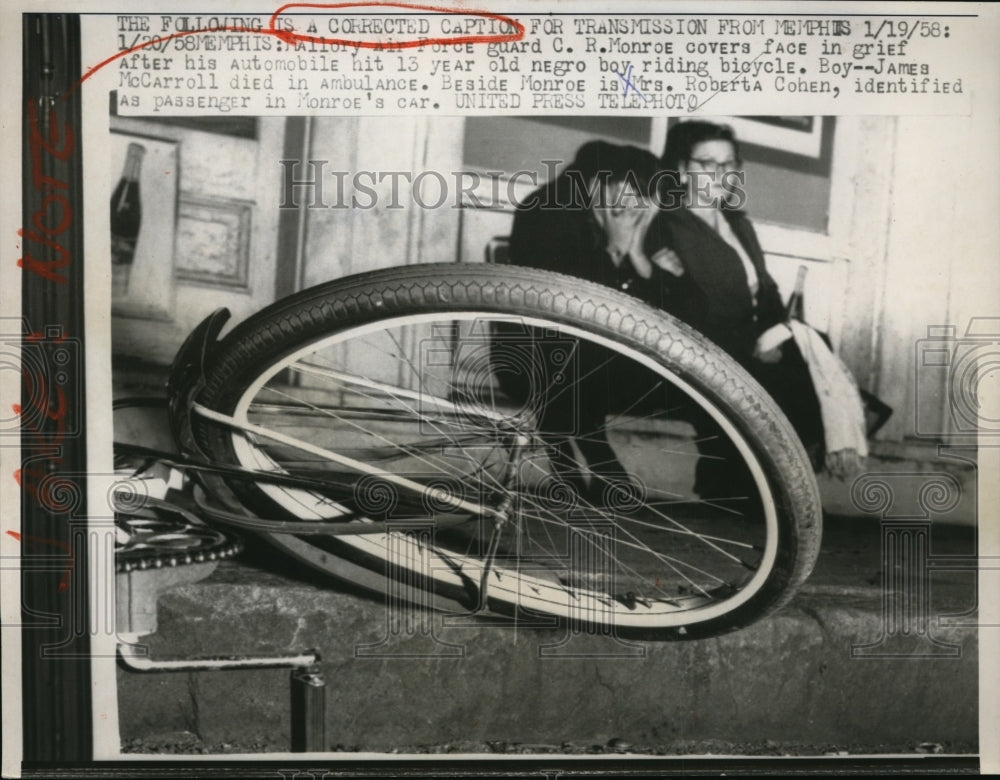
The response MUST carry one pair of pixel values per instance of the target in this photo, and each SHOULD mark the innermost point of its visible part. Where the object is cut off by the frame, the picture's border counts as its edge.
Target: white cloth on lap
(840, 402)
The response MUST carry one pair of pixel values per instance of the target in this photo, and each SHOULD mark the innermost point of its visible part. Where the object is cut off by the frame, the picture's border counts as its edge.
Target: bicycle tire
(356, 310)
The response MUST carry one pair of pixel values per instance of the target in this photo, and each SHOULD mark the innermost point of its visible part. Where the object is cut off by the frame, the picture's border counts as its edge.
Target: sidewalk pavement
(847, 665)
(829, 669)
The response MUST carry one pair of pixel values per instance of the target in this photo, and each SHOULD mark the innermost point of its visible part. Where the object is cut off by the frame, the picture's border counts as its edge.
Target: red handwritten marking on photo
(41, 401)
(64, 582)
(42, 405)
(60, 147)
(291, 37)
(44, 336)
(56, 201)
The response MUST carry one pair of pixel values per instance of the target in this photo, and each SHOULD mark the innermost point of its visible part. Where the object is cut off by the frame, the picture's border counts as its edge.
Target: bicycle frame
(292, 436)
(186, 380)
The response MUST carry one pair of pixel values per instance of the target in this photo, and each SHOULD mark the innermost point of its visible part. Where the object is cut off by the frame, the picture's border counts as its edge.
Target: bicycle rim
(416, 398)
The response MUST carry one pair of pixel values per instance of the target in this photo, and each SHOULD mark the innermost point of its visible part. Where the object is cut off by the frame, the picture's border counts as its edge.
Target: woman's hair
(683, 137)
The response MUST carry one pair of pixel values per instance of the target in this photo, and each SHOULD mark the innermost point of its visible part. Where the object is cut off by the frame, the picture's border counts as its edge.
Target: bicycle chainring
(154, 534)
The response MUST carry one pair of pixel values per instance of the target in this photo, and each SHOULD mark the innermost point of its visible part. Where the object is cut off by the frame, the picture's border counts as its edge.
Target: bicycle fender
(187, 378)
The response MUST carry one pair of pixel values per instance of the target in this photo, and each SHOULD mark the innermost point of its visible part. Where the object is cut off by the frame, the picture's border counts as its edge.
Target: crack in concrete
(824, 627)
(300, 623)
(193, 720)
(601, 682)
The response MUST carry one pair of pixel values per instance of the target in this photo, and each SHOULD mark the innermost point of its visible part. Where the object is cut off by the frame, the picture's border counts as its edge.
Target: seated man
(589, 222)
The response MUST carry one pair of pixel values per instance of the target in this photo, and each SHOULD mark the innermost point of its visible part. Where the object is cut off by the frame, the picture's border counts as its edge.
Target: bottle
(126, 219)
(795, 309)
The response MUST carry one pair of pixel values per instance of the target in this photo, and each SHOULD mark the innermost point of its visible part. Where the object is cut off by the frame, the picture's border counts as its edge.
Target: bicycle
(362, 426)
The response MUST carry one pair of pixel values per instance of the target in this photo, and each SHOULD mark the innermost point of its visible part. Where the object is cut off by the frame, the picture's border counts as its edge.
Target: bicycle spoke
(659, 556)
(671, 561)
(590, 514)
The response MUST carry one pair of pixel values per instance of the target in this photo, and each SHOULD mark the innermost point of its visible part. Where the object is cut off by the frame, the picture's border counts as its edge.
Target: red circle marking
(291, 37)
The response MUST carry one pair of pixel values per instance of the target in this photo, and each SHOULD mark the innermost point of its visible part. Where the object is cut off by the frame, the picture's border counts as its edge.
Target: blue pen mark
(627, 83)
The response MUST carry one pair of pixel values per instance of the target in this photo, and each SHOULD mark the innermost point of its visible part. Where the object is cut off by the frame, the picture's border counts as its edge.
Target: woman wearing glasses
(722, 286)
(728, 294)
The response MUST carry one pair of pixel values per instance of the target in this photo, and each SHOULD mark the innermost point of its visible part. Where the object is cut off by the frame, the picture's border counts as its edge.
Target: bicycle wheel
(536, 428)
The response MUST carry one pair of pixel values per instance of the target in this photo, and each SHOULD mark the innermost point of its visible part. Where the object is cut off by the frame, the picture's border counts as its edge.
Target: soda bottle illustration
(795, 310)
(126, 219)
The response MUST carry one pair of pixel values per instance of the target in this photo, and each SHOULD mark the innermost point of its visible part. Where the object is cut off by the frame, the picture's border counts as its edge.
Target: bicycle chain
(157, 534)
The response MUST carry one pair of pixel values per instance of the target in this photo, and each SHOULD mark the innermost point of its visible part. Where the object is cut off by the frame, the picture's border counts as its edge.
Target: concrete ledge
(790, 678)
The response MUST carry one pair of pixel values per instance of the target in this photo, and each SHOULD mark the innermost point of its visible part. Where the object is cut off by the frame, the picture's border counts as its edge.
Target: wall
(901, 249)
(224, 192)
(901, 231)
(919, 225)
(341, 241)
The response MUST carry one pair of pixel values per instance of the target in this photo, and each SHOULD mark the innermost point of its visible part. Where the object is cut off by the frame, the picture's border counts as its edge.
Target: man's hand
(769, 355)
(619, 226)
(646, 212)
(668, 260)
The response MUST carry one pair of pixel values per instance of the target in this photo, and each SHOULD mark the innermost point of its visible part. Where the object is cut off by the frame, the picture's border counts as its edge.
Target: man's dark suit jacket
(554, 230)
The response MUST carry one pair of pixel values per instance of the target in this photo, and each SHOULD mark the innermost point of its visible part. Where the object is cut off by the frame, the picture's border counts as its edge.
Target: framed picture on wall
(801, 135)
(798, 143)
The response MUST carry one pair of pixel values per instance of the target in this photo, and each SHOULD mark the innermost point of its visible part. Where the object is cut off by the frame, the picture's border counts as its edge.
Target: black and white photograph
(381, 408)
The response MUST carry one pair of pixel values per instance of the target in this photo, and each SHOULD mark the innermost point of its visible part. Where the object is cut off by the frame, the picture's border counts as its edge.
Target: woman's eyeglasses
(707, 163)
